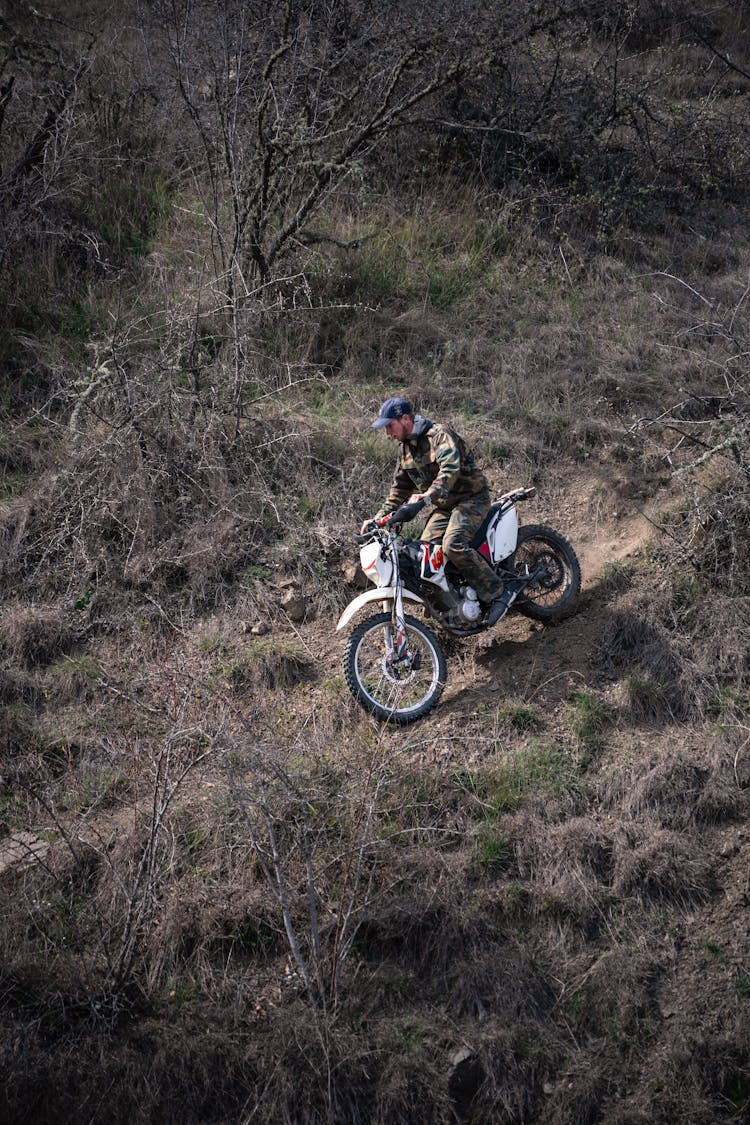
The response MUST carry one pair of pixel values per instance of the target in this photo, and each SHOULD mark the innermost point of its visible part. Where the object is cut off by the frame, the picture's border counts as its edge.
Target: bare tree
(40, 84)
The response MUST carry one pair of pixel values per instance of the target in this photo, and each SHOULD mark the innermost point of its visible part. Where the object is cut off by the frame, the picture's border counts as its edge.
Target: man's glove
(407, 512)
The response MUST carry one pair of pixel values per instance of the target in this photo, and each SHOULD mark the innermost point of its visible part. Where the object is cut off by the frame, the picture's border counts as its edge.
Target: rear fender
(382, 594)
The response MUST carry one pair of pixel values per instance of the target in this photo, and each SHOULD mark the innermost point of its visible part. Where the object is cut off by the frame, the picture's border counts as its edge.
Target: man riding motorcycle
(436, 467)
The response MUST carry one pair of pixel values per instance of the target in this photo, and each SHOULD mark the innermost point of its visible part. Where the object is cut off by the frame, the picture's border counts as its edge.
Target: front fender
(382, 594)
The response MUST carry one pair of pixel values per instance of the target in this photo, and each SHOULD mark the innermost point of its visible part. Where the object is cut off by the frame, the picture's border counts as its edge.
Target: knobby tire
(552, 596)
(375, 686)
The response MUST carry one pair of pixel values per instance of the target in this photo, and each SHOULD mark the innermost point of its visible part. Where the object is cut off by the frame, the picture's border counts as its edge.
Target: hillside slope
(529, 906)
(230, 895)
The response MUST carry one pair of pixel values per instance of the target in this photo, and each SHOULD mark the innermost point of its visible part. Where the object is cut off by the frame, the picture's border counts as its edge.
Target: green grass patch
(254, 937)
(255, 574)
(94, 788)
(742, 987)
(10, 485)
(131, 212)
(193, 839)
(434, 256)
(714, 950)
(178, 993)
(647, 696)
(376, 450)
(84, 599)
(520, 717)
(404, 1034)
(538, 768)
(591, 716)
(84, 667)
(271, 662)
(18, 730)
(728, 702)
(492, 850)
(210, 642)
(449, 283)
(616, 576)
(686, 595)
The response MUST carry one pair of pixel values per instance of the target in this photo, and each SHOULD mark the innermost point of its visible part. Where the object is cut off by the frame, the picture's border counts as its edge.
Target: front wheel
(395, 681)
(548, 553)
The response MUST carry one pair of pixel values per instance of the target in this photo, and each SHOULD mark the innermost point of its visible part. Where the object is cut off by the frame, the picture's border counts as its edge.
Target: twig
(567, 672)
(567, 271)
(672, 277)
(309, 237)
(329, 466)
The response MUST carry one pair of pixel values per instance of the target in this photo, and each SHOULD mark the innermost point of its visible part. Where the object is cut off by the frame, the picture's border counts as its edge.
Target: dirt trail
(543, 664)
(608, 544)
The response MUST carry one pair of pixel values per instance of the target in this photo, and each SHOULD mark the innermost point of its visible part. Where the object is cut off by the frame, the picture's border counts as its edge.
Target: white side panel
(504, 536)
(377, 569)
(384, 594)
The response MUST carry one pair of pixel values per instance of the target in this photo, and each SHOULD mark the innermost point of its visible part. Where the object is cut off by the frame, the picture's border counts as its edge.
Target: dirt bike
(394, 664)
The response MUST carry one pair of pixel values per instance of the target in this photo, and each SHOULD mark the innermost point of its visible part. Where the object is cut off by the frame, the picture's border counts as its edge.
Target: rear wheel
(558, 582)
(396, 682)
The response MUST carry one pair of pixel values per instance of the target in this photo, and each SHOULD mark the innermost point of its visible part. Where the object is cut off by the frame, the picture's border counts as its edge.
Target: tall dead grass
(166, 515)
(335, 927)
(680, 650)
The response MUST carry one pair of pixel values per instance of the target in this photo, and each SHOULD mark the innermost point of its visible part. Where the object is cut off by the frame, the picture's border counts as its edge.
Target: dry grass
(659, 865)
(567, 866)
(689, 784)
(635, 641)
(255, 905)
(680, 650)
(35, 636)
(684, 787)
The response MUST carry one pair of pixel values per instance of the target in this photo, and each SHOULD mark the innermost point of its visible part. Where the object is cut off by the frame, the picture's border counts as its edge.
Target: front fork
(396, 643)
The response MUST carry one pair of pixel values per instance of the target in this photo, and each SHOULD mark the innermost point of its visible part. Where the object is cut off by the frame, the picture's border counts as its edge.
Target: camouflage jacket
(434, 457)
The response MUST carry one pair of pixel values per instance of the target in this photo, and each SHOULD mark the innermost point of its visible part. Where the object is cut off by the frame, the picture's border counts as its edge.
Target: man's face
(400, 428)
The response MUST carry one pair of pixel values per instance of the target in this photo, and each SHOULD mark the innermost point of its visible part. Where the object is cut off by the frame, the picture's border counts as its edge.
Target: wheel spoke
(555, 576)
(547, 588)
(403, 689)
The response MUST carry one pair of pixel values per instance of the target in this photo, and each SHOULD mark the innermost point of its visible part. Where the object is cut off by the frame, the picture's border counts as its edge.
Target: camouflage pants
(456, 529)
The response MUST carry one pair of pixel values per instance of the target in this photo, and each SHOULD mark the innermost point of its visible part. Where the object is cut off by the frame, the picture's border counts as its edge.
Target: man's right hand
(367, 526)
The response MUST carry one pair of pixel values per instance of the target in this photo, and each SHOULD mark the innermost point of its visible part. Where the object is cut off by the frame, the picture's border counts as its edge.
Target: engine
(469, 609)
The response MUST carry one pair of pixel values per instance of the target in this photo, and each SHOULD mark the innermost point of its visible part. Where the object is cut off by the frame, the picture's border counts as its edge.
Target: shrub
(520, 717)
(616, 577)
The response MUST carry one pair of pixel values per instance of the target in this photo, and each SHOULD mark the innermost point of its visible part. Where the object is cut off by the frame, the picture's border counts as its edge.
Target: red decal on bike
(485, 550)
(432, 558)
